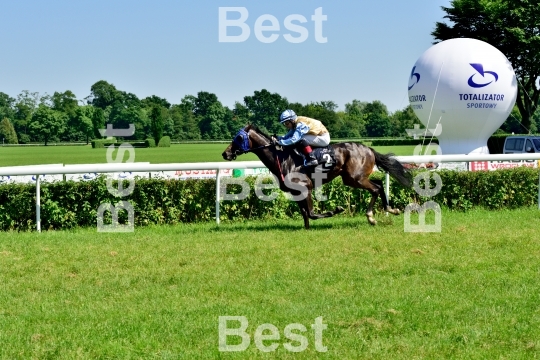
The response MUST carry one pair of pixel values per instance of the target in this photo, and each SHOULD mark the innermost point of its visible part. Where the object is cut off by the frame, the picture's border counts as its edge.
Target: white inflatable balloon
(463, 89)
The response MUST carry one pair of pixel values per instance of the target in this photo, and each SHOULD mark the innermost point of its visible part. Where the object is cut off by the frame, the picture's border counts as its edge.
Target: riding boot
(309, 158)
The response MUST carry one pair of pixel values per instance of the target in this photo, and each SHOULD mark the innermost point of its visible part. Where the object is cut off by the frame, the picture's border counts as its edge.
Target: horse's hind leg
(384, 198)
(374, 190)
(363, 182)
(305, 215)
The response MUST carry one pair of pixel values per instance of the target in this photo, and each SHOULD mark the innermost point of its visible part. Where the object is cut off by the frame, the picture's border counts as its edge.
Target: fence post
(218, 186)
(38, 204)
(387, 185)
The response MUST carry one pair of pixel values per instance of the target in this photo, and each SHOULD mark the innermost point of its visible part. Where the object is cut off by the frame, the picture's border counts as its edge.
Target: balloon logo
(480, 69)
(414, 75)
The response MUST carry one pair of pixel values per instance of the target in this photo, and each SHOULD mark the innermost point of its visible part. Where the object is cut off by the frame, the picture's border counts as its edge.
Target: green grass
(177, 153)
(469, 292)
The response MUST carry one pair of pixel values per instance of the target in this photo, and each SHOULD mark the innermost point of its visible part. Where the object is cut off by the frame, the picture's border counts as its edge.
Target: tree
(348, 126)
(351, 123)
(103, 94)
(513, 123)
(156, 123)
(98, 122)
(6, 106)
(536, 118)
(377, 119)
(82, 121)
(239, 117)
(46, 123)
(127, 109)
(265, 108)
(325, 111)
(213, 124)
(203, 102)
(7, 132)
(402, 120)
(185, 122)
(211, 116)
(155, 100)
(25, 106)
(512, 26)
(65, 102)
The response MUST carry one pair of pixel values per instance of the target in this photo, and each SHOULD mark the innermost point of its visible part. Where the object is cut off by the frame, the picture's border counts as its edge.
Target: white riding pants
(318, 140)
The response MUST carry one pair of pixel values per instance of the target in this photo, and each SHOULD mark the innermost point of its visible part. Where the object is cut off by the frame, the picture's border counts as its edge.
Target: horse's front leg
(303, 205)
(308, 205)
(305, 215)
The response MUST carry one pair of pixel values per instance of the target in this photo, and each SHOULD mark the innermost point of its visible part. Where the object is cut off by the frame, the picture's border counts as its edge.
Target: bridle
(242, 141)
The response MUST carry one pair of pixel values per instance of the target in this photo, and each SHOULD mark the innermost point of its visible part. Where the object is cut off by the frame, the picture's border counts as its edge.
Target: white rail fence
(39, 170)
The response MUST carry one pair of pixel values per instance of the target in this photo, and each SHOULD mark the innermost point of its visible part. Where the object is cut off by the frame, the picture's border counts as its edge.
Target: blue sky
(171, 48)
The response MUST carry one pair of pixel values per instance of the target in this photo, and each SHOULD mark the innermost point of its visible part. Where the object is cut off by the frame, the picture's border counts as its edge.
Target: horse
(353, 162)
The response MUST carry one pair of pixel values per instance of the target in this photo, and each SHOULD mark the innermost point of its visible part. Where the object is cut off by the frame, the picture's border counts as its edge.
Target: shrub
(165, 142)
(151, 143)
(23, 138)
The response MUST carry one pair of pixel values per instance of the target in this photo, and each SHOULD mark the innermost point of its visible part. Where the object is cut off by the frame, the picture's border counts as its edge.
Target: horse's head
(246, 140)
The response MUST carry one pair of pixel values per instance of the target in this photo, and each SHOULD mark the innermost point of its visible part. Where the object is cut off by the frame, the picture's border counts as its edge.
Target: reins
(241, 139)
(278, 162)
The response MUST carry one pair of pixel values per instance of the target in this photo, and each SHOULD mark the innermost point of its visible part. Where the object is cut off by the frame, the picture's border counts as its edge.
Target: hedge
(99, 144)
(495, 143)
(102, 143)
(401, 142)
(66, 205)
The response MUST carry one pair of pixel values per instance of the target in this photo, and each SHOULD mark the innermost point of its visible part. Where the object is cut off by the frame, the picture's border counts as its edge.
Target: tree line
(62, 117)
(31, 117)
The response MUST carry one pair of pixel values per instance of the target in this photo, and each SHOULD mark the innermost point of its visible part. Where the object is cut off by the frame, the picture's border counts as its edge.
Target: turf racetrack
(469, 292)
(177, 153)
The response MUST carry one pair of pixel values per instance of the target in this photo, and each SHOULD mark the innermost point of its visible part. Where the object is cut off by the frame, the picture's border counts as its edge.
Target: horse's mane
(258, 131)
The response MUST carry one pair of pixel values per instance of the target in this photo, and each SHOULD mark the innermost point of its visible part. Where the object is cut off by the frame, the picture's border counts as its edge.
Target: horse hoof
(339, 210)
(372, 221)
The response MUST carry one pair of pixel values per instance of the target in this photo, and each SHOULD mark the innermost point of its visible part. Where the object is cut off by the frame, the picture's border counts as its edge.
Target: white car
(521, 144)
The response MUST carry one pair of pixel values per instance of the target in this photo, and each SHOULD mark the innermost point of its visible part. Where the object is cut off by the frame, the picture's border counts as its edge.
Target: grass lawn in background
(468, 292)
(177, 153)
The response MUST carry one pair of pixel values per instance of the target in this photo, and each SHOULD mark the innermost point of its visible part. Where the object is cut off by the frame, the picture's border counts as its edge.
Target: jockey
(303, 132)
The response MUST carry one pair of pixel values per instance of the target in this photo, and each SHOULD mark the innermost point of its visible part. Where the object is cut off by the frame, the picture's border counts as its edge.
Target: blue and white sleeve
(293, 136)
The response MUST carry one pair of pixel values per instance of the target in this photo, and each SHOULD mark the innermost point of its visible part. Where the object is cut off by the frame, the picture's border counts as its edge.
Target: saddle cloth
(326, 157)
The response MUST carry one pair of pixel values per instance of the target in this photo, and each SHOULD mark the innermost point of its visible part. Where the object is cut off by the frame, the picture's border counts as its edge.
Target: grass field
(36, 155)
(469, 292)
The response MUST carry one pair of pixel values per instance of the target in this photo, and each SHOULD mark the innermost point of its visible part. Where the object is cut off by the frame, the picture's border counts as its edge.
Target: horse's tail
(389, 164)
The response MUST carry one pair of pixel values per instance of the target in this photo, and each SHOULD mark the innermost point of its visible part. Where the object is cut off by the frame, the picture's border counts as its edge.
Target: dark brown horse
(354, 163)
